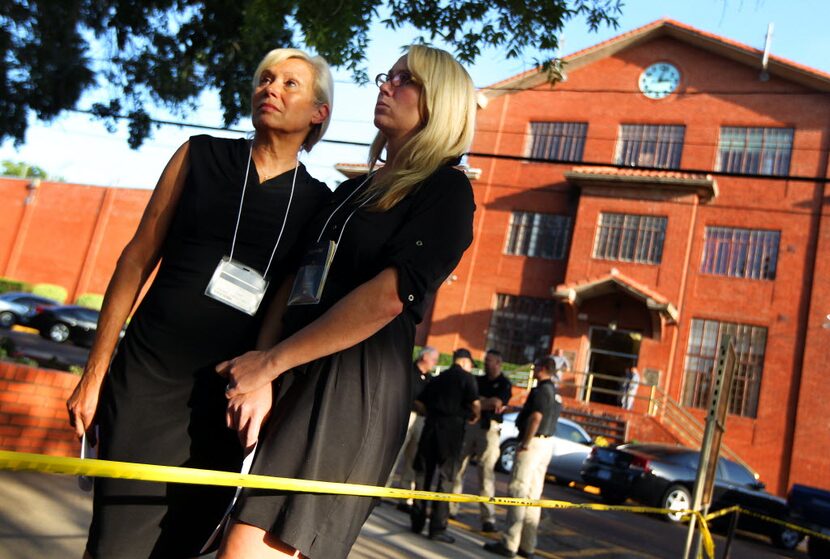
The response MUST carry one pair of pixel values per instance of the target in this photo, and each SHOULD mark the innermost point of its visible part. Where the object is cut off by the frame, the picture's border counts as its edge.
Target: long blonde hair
(323, 86)
(448, 107)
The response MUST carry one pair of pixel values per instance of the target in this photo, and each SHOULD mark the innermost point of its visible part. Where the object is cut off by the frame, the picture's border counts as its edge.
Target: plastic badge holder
(311, 277)
(237, 285)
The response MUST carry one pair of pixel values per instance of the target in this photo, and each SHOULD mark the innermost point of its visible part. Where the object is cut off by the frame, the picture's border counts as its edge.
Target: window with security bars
(755, 151)
(558, 141)
(521, 327)
(630, 238)
(538, 235)
(740, 253)
(650, 145)
(701, 357)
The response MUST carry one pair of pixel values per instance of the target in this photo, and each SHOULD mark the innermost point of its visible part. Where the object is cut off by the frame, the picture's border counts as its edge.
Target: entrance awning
(575, 294)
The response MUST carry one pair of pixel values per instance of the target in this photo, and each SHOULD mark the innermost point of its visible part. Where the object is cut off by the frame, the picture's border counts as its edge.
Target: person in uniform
(449, 402)
(426, 362)
(481, 443)
(537, 426)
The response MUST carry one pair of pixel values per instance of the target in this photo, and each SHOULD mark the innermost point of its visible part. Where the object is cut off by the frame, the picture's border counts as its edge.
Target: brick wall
(33, 410)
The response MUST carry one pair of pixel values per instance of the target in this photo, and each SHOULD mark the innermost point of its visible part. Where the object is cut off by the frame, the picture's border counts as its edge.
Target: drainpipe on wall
(22, 228)
(681, 301)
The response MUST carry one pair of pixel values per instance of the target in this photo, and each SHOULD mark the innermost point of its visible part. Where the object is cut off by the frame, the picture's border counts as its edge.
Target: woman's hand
(83, 402)
(248, 372)
(247, 412)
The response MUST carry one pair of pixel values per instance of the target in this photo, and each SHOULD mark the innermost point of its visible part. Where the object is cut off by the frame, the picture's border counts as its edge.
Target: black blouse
(423, 236)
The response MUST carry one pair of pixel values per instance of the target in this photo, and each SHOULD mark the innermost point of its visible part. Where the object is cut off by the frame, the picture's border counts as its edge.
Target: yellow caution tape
(790, 525)
(22, 461)
(722, 512)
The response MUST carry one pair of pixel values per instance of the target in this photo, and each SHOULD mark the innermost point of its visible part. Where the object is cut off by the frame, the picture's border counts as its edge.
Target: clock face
(659, 80)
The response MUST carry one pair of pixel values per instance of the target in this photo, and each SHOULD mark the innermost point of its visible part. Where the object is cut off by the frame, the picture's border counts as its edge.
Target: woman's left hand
(247, 373)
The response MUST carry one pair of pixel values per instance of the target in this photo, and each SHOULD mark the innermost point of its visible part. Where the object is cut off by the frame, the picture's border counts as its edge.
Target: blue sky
(83, 151)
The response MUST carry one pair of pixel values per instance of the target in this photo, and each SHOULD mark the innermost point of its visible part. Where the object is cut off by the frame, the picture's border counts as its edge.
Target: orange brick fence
(33, 410)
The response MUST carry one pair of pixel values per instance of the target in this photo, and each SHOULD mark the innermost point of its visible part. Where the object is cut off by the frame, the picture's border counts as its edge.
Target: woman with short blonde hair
(223, 209)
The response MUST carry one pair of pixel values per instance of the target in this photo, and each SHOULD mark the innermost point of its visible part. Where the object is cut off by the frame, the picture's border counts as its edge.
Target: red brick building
(726, 232)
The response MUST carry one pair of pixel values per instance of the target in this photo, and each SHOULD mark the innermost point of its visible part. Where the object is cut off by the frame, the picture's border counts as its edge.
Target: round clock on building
(659, 80)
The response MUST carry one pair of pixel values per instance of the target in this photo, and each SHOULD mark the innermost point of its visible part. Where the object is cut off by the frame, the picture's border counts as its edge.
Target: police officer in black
(537, 425)
(450, 403)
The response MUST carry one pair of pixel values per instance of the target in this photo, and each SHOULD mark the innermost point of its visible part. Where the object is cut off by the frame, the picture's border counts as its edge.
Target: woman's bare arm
(136, 263)
(354, 318)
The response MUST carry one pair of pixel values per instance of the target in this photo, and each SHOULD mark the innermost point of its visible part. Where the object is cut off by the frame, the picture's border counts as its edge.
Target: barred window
(701, 356)
(740, 253)
(539, 235)
(631, 238)
(755, 151)
(558, 141)
(521, 327)
(650, 145)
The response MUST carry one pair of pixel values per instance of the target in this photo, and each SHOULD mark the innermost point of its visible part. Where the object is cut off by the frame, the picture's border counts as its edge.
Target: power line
(508, 157)
(800, 178)
(638, 92)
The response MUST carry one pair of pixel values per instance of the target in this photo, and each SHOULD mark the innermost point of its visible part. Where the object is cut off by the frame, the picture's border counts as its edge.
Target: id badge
(237, 285)
(311, 277)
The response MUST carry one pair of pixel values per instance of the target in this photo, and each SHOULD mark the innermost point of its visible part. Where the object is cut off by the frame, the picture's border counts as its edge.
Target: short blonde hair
(448, 107)
(323, 85)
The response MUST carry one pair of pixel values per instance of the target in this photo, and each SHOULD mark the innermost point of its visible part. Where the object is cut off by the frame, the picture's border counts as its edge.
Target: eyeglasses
(397, 80)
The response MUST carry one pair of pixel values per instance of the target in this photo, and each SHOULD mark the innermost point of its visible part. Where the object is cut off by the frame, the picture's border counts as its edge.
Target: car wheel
(676, 498)
(7, 319)
(786, 539)
(507, 457)
(59, 332)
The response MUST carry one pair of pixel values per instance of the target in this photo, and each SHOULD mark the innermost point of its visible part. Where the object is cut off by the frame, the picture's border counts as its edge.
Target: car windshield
(737, 473)
(569, 433)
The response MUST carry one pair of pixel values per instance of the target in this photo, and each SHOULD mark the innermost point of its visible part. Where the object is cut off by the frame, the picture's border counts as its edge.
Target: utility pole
(712, 435)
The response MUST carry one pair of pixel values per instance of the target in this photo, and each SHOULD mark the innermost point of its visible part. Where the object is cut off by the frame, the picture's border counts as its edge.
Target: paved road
(41, 349)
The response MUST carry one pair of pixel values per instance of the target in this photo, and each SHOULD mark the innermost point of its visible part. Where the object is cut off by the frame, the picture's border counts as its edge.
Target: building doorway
(610, 353)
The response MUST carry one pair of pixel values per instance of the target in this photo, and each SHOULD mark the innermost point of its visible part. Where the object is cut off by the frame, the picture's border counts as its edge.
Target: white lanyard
(284, 219)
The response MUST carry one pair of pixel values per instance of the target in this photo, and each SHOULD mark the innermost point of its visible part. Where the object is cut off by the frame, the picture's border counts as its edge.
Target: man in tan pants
(537, 425)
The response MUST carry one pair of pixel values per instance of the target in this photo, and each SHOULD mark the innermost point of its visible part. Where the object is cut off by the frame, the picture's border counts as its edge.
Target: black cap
(460, 353)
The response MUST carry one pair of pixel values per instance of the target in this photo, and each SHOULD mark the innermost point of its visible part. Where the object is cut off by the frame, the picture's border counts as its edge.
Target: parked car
(810, 507)
(67, 323)
(19, 308)
(570, 448)
(663, 476)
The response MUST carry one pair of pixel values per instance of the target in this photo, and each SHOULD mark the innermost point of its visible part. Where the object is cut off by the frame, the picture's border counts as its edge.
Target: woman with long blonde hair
(382, 245)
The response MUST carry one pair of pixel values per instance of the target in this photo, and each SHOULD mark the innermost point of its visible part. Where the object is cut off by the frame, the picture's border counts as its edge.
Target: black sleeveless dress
(343, 417)
(162, 402)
